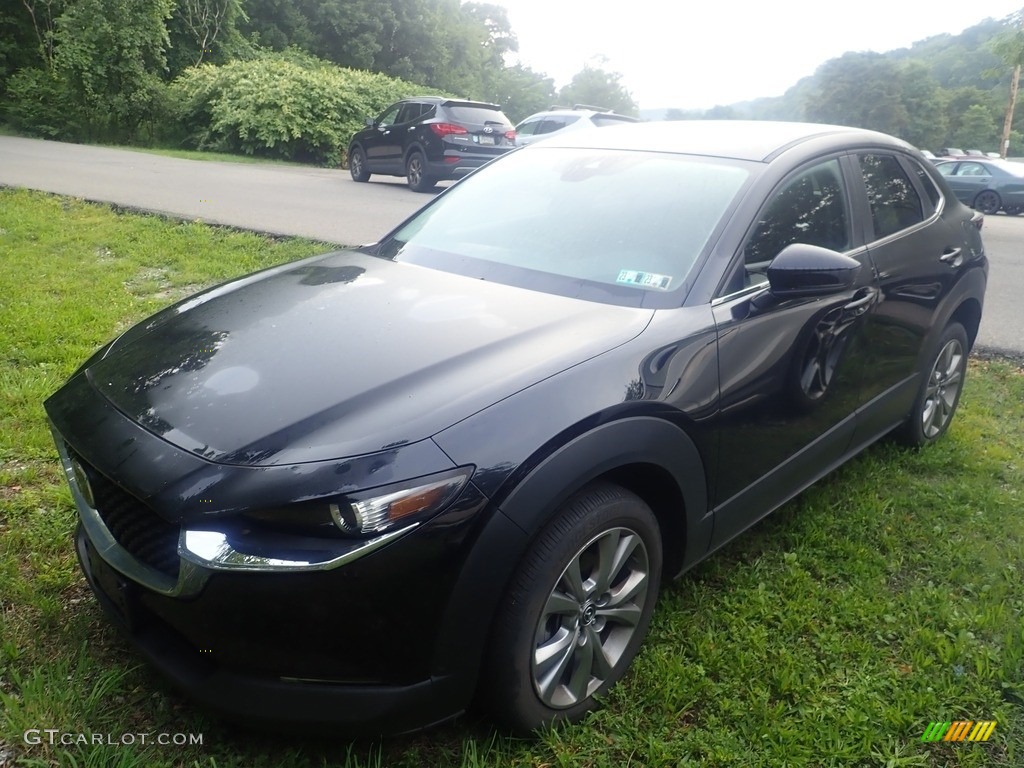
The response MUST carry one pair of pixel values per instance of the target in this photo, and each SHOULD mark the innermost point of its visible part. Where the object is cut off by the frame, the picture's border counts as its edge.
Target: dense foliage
(273, 77)
(288, 105)
(225, 73)
(947, 90)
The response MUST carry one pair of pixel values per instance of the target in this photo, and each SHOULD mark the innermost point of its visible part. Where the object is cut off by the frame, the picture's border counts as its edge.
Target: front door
(788, 368)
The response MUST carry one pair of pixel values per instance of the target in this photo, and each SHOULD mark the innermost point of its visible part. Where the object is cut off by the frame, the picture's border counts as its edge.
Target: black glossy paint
(352, 371)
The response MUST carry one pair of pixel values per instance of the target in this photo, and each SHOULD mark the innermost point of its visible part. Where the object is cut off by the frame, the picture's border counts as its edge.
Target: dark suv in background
(427, 139)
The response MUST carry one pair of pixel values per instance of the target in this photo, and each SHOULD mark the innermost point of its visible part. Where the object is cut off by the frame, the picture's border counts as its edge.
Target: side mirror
(370, 122)
(802, 270)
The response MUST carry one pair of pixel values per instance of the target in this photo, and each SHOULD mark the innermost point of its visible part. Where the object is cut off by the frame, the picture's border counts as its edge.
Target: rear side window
(411, 112)
(972, 169)
(552, 124)
(895, 204)
(604, 120)
(927, 184)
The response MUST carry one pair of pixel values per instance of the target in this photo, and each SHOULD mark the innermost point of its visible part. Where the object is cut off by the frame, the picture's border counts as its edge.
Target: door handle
(952, 256)
(861, 305)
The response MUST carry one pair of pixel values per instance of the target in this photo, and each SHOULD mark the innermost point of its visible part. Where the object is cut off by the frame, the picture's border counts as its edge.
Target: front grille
(143, 533)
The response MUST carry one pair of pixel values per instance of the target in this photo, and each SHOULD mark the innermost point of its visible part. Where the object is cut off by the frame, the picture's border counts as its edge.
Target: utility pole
(1004, 144)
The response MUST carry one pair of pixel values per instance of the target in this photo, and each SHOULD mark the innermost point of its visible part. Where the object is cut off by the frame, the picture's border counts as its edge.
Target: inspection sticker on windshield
(643, 279)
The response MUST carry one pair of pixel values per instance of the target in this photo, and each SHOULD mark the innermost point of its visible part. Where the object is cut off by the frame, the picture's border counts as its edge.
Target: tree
(44, 15)
(862, 90)
(112, 53)
(721, 112)
(977, 129)
(204, 30)
(598, 87)
(500, 37)
(519, 91)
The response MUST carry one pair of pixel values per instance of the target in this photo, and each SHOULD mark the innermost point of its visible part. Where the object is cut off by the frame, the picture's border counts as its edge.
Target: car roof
(579, 112)
(446, 102)
(755, 140)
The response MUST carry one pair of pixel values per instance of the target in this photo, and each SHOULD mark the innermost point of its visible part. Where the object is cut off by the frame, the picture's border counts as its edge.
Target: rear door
(917, 256)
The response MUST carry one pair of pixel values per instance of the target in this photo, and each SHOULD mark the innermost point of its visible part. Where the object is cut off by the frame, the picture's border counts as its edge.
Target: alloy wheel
(943, 389)
(590, 617)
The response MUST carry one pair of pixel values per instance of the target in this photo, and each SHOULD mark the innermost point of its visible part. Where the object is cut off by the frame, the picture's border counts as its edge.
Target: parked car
(370, 487)
(929, 155)
(950, 152)
(429, 139)
(986, 184)
(581, 117)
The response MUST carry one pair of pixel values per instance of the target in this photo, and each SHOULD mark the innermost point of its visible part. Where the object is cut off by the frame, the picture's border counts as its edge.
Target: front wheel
(939, 395)
(988, 202)
(416, 174)
(576, 612)
(357, 165)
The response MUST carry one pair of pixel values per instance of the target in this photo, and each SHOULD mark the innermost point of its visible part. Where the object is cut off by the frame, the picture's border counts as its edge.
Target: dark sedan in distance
(985, 184)
(367, 489)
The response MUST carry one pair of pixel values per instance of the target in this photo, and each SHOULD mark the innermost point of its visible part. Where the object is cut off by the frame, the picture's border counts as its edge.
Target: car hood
(341, 355)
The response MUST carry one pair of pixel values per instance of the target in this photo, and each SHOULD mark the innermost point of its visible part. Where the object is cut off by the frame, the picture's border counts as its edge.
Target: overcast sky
(697, 54)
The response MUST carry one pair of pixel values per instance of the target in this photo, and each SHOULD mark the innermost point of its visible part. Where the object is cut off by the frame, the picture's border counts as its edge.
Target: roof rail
(591, 107)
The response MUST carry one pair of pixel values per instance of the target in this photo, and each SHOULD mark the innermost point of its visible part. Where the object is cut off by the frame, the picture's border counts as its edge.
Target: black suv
(427, 139)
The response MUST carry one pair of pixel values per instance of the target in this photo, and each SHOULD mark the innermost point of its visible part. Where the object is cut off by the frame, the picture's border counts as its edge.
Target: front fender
(519, 514)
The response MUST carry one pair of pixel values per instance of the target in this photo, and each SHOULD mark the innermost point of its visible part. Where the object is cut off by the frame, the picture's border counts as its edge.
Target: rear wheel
(576, 612)
(988, 202)
(416, 174)
(357, 165)
(939, 395)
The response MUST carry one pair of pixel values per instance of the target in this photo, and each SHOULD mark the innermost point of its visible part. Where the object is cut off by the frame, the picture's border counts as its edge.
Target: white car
(580, 117)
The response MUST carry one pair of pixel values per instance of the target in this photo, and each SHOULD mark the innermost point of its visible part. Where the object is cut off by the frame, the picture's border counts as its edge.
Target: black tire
(943, 382)
(416, 173)
(357, 165)
(546, 607)
(988, 202)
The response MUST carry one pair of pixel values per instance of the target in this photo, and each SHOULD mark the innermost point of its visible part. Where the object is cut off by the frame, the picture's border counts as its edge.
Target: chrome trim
(210, 549)
(191, 579)
(748, 290)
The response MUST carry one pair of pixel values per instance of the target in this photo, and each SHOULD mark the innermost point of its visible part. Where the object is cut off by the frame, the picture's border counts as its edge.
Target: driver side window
(810, 208)
(388, 118)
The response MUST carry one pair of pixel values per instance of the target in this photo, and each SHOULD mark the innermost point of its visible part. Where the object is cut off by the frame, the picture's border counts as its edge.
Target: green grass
(887, 596)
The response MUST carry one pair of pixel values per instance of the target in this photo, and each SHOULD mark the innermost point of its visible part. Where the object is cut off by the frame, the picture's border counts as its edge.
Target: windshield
(608, 225)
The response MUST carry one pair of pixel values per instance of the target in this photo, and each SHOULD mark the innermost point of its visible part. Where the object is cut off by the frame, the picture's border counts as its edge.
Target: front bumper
(307, 705)
(343, 642)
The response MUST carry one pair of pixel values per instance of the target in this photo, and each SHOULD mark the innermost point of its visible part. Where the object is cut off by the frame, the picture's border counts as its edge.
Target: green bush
(284, 105)
(41, 103)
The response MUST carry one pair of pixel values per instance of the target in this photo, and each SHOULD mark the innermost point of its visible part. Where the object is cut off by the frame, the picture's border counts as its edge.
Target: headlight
(381, 509)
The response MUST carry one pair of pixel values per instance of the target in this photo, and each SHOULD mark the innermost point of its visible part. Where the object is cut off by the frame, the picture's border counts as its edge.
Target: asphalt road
(327, 205)
(319, 203)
